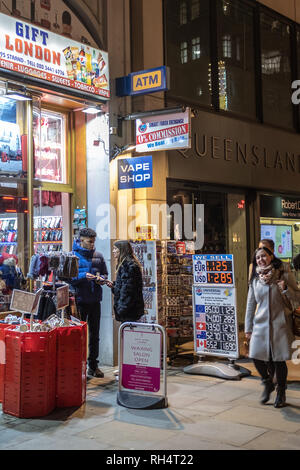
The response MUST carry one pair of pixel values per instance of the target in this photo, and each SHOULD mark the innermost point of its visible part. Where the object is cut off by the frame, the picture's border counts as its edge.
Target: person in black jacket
(88, 292)
(128, 287)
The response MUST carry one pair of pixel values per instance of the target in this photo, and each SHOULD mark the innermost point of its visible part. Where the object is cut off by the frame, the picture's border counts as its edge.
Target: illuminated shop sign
(135, 172)
(30, 50)
(167, 132)
(280, 207)
(143, 82)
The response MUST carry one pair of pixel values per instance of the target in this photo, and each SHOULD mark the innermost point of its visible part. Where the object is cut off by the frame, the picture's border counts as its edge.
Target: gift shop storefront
(54, 93)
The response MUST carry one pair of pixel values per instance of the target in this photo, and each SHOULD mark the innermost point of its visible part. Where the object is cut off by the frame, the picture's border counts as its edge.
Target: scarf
(268, 274)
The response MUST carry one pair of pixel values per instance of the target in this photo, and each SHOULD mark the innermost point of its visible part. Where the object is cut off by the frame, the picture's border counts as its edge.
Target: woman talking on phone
(268, 323)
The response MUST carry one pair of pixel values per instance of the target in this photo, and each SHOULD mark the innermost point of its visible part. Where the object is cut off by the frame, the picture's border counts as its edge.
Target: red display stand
(71, 366)
(3, 327)
(30, 373)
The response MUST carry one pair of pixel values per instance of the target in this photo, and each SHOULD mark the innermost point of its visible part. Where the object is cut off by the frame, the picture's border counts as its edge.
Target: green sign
(280, 207)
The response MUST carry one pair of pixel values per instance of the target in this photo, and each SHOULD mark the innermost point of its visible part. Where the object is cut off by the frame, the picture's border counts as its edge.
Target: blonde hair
(126, 253)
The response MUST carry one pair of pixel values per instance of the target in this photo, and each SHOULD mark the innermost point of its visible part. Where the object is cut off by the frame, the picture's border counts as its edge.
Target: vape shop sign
(135, 173)
(141, 360)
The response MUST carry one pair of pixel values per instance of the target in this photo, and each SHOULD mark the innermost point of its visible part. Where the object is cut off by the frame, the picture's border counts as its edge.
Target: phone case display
(177, 281)
(79, 220)
(48, 233)
(8, 235)
(149, 255)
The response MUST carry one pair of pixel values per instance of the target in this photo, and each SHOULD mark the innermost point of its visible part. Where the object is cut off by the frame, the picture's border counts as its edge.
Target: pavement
(203, 413)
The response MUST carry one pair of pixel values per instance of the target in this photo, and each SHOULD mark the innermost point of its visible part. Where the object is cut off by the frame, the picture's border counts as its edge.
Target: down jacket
(269, 318)
(90, 261)
(128, 292)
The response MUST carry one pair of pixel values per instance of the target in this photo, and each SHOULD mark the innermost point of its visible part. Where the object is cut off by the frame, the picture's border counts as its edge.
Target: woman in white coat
(268, 322)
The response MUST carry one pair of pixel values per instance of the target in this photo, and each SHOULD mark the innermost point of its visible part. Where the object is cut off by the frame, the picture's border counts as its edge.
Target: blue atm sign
(135, 172)
(143, 82)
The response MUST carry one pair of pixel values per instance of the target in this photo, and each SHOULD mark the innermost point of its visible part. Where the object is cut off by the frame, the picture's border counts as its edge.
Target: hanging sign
(214, 303)
(135, 172)
(164, 132)
(32, 51)
(143, 82)
(141, 360)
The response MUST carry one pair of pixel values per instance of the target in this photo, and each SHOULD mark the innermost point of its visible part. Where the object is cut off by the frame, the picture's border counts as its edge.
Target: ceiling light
(14, 95)
(91, 110)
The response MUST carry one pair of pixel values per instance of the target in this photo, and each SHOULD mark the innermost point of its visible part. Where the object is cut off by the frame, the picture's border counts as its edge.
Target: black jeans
(268, 369)
(91, 313)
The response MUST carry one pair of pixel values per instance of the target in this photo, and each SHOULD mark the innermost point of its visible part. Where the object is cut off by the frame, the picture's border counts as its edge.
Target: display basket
(71, 366)
(29, 379)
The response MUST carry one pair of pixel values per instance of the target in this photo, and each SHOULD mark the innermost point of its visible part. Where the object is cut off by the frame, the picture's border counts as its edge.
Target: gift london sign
(31, 51)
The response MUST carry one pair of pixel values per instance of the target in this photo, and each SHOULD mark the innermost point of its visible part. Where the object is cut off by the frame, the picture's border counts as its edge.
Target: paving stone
(218, 430)
(265, 417)
(64, 443)
(127, 434)
(184, 441)
(275, 440)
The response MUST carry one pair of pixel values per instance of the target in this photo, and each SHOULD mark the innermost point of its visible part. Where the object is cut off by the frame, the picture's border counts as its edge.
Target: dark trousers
(91, 313)
(268, 369)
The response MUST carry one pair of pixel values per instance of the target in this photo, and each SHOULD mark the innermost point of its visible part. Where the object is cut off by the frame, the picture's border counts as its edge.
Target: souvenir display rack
(177, 281)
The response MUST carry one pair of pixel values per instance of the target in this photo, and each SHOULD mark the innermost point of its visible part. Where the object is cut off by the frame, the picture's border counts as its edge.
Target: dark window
(236, 57)
(188, 50)
(276, 71)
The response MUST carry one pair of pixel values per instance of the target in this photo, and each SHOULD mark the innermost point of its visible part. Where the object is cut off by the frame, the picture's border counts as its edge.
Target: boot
(280, 399)
(269, 387)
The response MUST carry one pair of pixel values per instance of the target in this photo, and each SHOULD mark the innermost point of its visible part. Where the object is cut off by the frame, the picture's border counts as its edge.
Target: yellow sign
(146, 81)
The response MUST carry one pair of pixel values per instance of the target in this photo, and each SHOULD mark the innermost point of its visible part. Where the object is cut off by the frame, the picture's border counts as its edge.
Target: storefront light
(13, 95)
(91, 110)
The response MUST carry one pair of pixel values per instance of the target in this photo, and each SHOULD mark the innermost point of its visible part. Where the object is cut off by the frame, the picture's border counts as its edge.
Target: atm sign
(148, 81)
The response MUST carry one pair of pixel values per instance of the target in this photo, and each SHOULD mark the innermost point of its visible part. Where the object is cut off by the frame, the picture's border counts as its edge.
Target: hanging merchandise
(68, 266)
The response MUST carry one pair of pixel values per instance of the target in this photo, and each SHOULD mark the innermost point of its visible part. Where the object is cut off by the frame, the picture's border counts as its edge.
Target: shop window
(50, 146)
(235, 22)
(189, 63)
(276, 71)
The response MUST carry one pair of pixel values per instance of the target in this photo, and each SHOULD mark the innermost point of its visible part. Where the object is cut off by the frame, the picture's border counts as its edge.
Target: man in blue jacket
(88, 291)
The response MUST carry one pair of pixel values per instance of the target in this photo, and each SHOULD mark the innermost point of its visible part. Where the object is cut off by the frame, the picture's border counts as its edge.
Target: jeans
(267, 370)
(91, 313)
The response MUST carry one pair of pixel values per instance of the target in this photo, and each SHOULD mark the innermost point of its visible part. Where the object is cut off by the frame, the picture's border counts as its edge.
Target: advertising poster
(141, 360)
(171, 131)
(10, 147)
(30, 50)
(215, 317)
(145, 251)
(281, 236)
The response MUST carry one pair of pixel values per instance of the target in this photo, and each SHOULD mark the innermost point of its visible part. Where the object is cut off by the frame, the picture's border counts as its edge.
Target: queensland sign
(29, 50)
(170, 131)
(143, 82)
(135, 172)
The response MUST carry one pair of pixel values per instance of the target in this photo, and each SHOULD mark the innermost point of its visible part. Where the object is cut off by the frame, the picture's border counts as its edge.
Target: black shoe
(280, 400)
(269, 387)
(95, 373)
